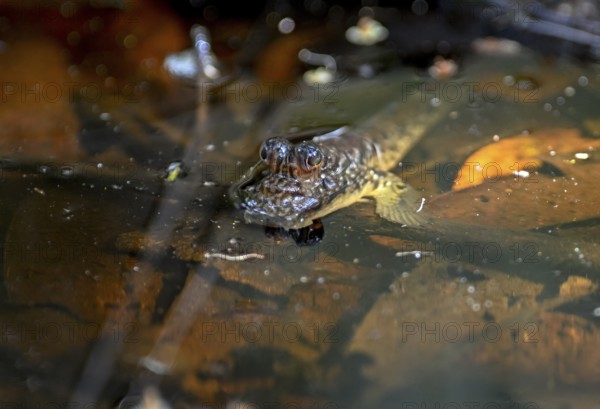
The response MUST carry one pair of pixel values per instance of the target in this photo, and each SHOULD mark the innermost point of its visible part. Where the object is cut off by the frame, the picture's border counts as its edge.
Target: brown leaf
(513, 155)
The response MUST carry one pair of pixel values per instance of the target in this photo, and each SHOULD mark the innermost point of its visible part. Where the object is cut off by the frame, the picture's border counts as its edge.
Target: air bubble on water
(583, 81)
(286, 25)
(405, 274)
(488, 303)
(560, 101)
(476, 306)
(136, 268)
(355, 261)
(462, 280)
(509, 80)
(335, 296)
(471, 289)
(547, 107)
(597, 312)
(304, 279)
(267, 272)
(321, 280)
(470, 301)
(569, 91)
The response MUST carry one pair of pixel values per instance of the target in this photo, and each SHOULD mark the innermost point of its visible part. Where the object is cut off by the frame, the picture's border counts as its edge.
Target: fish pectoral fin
(398, 202)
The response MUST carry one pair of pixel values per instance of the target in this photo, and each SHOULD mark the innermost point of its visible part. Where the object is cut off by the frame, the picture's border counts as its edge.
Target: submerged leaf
(520, 155)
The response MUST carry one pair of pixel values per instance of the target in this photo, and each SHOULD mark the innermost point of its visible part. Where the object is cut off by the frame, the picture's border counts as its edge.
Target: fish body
(292, 185)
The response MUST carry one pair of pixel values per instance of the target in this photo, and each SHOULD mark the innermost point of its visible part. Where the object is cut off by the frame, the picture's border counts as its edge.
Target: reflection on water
(122, 286)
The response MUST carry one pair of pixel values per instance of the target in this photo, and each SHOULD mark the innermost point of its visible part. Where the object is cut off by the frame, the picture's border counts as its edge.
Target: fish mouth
(275, 200)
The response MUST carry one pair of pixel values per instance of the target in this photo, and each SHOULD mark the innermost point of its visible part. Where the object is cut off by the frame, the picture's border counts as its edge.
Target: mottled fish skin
(354, 163)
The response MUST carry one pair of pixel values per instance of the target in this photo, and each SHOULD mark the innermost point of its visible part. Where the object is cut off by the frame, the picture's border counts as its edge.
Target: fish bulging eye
(313, 161)
(274, 152)
(309, 156)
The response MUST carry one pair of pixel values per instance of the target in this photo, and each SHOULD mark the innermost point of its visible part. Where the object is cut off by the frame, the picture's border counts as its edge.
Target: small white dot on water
(321, 280)
(569, 91)
(597, 312)
(476, 306)
(304, 279)
(471, 289)
(286, 25)
(583, 81)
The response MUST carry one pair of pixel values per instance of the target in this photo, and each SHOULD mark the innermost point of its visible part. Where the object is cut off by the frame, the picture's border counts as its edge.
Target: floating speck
(335, 296)
(471, 289)
(367, 32)
(304, 279)
(521, 173)
(317, 76)
(569, 91)
(582, 155)
(435, 102)
(597, 312)
(286, 25)
(476, 306)
(321, 280)
(509, 80)
(583, 81)
(39, 191)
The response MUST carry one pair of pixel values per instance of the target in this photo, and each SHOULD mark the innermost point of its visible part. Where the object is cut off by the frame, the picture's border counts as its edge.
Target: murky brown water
(117, 283)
